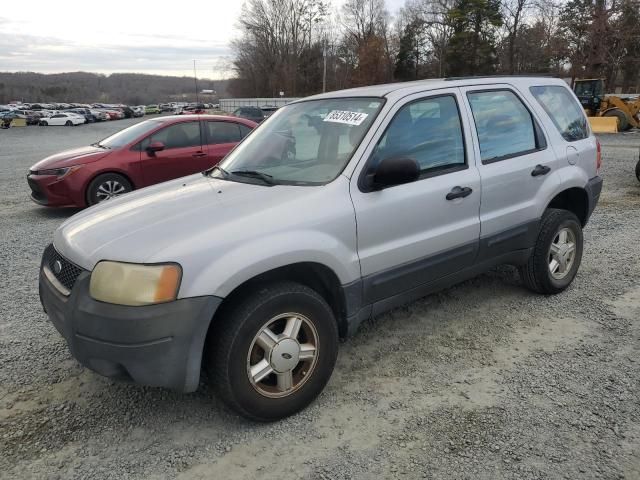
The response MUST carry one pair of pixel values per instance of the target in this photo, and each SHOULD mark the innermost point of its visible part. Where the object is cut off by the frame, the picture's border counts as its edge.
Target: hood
(165, 222)
(75, 156)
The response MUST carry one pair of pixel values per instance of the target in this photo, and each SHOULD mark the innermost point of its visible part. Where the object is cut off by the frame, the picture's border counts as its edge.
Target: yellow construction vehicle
(606, 110)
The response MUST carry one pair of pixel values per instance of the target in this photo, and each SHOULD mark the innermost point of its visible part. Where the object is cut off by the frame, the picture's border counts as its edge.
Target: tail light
(598, 156)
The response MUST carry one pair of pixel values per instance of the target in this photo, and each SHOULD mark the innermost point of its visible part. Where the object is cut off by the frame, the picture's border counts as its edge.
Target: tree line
(83, 87)
(301, 47)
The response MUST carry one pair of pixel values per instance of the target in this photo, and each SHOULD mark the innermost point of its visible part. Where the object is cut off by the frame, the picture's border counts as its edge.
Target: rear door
(516, 167)
(221, 136)
(183, 154)
(413, 234)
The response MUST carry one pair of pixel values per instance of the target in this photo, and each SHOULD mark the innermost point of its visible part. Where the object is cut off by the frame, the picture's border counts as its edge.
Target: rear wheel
(68, 123)
(107, 186)
(273, 351)
(623, 121)
(556, 255)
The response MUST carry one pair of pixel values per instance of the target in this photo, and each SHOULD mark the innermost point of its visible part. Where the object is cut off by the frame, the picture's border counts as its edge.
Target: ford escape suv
(337, 208)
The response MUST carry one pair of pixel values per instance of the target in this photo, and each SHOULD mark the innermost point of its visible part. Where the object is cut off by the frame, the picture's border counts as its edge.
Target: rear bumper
(593, 188)
(156, 345)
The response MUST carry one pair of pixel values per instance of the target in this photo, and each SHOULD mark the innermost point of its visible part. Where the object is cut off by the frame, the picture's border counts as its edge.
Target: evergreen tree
(472, 49)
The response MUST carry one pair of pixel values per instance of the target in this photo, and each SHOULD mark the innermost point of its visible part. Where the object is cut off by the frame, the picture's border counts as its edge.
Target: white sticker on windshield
(343, 116)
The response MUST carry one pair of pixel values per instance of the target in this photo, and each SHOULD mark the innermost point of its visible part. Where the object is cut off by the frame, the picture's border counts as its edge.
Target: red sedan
(144, 154)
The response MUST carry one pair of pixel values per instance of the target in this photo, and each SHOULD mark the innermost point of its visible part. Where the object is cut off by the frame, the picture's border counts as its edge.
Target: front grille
(69, 272)
(36, 191)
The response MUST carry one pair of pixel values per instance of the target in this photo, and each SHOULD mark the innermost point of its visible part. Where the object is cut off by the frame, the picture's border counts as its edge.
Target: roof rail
(470, 77)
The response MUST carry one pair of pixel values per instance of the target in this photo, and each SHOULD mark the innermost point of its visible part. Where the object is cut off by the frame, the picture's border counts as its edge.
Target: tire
(99, 188)
(623, 121)
(44, 123)
(68, 123)
(638, 170)
(537, 272)
(233, 349)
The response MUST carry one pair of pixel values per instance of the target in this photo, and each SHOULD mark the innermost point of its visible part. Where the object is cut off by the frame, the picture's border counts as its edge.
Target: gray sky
(121, 36)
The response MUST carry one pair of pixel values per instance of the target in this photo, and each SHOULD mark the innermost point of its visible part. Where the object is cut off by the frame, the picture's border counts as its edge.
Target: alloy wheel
(109, 189)
(562, 253)
(282, 355)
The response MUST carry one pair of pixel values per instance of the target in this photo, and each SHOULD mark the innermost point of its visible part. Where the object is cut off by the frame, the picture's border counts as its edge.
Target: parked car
(86, 113)
(197, 109)
(268, 110)
(100, 115)
(138, 111)
(68, 119)
(114, 114)
(256, 269)
(250, 113)
(151, 109)
(146, 153)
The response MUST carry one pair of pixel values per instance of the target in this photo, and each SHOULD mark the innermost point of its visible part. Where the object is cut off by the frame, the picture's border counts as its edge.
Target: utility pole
(324, 66)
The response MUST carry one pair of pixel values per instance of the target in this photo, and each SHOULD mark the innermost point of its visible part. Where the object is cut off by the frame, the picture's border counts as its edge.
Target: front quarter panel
(318, 227)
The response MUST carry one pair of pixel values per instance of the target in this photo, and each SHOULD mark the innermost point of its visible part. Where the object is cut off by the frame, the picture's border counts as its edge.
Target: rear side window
(244, 130)
(563, 110)
(505, 126)
(223, 132)
(179, 135)
(429, 131)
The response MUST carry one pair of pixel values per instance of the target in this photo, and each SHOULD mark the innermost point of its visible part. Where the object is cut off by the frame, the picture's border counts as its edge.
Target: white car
(67, 119)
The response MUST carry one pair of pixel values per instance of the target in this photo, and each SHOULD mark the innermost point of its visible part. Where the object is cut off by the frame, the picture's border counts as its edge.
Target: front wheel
(273, 351)
(68, 123)
(107, 186)
(623, 120)
(43, 123)
(556, 255)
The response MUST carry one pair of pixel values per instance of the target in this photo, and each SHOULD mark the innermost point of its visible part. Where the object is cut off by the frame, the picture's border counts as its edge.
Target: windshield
(306, 143)
(128, 135)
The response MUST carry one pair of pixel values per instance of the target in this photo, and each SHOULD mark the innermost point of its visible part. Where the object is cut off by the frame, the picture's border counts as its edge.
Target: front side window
(429, 131)
(565, 113)
(179, 135)
(504, 125)
(223, 132)
(128, 135)
(305, 143)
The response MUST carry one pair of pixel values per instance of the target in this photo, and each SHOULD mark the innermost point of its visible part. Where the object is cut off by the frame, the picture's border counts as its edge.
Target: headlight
(133, 284)
(59, 172)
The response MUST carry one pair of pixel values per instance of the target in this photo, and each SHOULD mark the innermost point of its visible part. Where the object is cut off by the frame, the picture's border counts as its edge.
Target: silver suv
(339, 207)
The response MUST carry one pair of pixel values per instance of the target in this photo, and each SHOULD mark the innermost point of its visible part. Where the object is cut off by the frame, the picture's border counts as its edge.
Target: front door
(413, 234)
(183, 153)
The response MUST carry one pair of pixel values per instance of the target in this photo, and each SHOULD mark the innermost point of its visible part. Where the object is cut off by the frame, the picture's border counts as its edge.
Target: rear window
(565, 113)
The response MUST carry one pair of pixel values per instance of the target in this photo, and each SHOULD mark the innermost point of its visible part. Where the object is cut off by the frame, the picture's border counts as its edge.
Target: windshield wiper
(209, 171)
(265, 177)
(99, 145)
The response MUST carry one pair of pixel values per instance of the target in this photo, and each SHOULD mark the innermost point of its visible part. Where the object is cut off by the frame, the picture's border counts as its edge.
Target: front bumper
(156, 345)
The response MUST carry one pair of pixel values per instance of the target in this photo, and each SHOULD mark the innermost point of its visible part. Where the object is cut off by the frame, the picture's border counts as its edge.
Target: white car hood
(160, 223)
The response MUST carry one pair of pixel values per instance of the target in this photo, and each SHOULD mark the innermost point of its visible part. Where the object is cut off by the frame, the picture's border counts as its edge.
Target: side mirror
(393, 171)
(155, 147)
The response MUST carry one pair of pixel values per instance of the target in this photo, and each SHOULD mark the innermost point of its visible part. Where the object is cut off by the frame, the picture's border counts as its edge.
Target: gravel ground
(482, 381)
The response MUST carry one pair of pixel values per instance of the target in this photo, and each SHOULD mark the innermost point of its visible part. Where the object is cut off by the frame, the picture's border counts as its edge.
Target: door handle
(540, 170)
(199, 155)
(459, 192)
